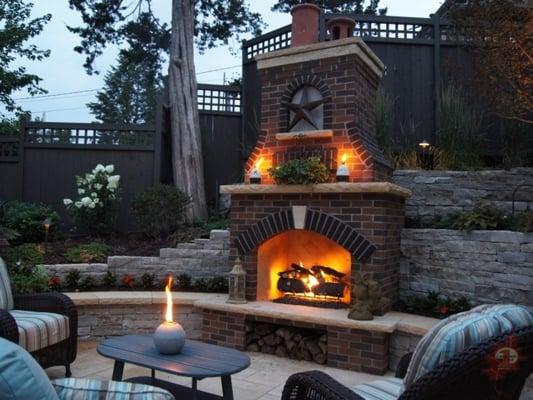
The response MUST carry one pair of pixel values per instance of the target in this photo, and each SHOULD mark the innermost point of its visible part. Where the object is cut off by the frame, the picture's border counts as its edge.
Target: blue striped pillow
(6, 297)
(461, 331)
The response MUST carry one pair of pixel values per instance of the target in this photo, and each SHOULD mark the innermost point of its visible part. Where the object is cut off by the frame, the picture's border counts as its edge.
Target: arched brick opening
(315, 220)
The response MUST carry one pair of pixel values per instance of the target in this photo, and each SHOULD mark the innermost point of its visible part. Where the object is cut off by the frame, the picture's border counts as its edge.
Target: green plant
(160, 210)
(516, 152)
(24, 257)
(97, 193)
(435, 305)
(213, 222)
(72, 279)
(218, 284)
(300, 172)
(109, 280)
(55, 283)
(27, 219)
(201, 285)
(87, 283)
(184, 281)
(483, 217)
(148, 281)
(88, 253)
(460, 130)
(384, 115)
(34, 280)
(523, 221)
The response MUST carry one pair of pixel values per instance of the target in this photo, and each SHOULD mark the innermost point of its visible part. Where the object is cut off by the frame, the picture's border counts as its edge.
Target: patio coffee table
(197, 360)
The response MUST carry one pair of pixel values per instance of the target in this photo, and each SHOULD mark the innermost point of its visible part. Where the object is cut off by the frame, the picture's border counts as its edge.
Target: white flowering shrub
(97, 192)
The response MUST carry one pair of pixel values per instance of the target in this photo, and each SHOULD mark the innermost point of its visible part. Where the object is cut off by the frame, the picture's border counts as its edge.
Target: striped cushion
(383, 389)
(464, 330)
(91, 389)
(38, 330)
(6, 297)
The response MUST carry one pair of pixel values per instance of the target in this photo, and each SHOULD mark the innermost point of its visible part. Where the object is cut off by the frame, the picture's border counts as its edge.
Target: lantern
(343, 173)
(237, 284)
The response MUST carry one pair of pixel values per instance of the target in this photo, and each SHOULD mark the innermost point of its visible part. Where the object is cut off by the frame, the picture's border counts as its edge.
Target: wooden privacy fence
(41, 164)
(419, 54)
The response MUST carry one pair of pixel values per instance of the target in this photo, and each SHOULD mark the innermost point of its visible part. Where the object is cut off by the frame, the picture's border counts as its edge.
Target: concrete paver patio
(263, 380)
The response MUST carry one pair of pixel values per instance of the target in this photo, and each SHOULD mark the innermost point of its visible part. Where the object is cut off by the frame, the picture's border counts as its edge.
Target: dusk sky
(63, 71)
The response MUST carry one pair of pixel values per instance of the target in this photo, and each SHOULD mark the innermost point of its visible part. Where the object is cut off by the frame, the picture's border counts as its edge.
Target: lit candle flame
(258, 163)
(168, 287)
(344, 157)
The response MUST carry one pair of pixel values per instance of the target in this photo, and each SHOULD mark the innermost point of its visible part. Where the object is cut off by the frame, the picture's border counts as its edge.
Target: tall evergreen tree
(209, 21)
(130, 92)
(16, 28)
(335, 6)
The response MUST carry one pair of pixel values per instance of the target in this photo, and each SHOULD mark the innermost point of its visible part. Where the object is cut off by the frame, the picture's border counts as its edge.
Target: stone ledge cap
(322, 50)
(338, 187)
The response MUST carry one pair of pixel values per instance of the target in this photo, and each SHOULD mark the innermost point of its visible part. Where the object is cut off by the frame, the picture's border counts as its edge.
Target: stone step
(188, 253)
(219, 234)
(189, 246)
(201, 241)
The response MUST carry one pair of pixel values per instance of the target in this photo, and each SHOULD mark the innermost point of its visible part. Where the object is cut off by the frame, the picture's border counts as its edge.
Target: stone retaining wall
(445, 192)
(97, 321)
(484, 266)
(201, 258)
(400, 344)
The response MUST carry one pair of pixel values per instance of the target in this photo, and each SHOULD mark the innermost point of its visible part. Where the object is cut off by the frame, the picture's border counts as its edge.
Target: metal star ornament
(302, 110)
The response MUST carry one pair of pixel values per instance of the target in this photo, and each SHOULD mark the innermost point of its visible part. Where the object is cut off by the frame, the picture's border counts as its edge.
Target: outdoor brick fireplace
(305, 244)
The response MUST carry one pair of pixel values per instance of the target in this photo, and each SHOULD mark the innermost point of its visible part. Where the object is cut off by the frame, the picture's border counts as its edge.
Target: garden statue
(369, 300)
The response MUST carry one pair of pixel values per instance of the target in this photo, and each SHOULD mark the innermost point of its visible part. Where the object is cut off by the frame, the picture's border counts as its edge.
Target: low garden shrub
(109, 280)
(98, 191)
(300, 172)
(24, 221)
(30, 280)
(72, 279)
(26, 255)
(160, 210)
(434, 305)
(87, 283)
(89, 253)
(184, 281)
(486, 217)
(148, 281)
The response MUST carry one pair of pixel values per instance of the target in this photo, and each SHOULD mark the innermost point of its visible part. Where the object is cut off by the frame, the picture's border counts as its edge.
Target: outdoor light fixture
(424, 144)
(46, 225)
(255, 176)
(237, 284)
(169, 337)
(343, 173)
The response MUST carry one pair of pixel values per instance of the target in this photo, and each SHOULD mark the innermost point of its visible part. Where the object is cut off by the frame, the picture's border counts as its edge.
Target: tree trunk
(187, 160)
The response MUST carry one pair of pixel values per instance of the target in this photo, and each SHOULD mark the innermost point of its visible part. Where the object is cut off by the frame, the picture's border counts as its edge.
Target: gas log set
(284, 341)
(319, 283)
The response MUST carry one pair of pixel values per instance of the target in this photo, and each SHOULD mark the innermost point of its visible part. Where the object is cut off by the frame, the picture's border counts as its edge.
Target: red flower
(443, 310)
(54, 283)
(128, 280)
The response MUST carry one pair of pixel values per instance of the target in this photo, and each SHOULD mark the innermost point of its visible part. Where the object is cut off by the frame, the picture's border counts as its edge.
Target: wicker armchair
(466, 375)
(16, 319)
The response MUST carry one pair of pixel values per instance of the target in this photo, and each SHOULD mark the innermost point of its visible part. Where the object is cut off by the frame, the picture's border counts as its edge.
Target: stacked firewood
(299, 344)
(297, 279)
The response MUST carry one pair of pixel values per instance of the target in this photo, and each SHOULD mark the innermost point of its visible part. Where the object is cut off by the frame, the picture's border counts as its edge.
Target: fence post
(436, 74)
(22, 149)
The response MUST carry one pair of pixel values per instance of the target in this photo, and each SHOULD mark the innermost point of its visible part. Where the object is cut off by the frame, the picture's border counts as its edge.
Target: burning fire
(258, 163)
(310, 282)
(168, 287)
(344, 157)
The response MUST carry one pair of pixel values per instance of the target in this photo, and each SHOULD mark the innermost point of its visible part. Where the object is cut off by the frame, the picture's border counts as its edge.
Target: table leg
(118, 370)
(194, 389)
(227, 390)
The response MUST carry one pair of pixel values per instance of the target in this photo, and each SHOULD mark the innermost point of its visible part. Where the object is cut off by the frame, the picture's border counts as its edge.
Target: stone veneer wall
(376, 216)
(445, 192)
(201, 258)
(484, 266)
(98, 321)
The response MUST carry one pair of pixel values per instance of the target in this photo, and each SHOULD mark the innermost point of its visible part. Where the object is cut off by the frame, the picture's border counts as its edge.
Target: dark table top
(196, 359)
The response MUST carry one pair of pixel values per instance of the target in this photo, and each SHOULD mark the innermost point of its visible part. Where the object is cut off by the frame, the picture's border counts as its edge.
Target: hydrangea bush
(97, 192)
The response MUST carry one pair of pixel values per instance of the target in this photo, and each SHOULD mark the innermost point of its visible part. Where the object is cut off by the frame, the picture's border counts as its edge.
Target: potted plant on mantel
(306, 171)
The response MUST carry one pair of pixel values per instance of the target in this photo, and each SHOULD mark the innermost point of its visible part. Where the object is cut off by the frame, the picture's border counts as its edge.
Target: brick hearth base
(348, 348)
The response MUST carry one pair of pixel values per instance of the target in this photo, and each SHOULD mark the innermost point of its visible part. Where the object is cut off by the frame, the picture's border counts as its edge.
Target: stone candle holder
(169, 338)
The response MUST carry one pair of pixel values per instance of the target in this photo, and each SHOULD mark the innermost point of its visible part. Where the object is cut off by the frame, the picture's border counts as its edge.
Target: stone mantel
(338, 187)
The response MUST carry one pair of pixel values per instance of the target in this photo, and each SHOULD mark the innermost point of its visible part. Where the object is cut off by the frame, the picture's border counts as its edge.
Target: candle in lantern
(255, 176)
(169, 337)
(343, 173)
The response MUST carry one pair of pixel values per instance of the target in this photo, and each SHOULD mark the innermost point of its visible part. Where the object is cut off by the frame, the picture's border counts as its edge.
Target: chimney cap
(305, 5)
(342, 20)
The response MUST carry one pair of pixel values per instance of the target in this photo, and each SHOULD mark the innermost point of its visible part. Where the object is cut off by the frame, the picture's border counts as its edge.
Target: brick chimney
(305, 20)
